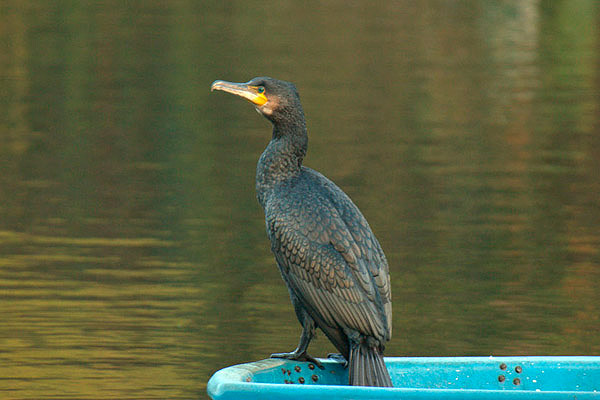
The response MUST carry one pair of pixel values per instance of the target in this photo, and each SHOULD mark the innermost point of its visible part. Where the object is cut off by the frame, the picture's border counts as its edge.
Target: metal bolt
(517, 381)
(297, 368)
(501, 378)
(502, 366)
(519, 369)
(315, 378)
(311, 366)
(301, 380)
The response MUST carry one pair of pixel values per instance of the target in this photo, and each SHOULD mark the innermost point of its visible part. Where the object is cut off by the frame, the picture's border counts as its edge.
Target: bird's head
(276, 100)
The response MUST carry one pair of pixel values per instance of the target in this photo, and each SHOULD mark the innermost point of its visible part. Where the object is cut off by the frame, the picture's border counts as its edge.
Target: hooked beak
(244, 90)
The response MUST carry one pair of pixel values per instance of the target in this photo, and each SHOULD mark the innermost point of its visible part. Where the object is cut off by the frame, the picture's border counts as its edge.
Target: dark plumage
(333, 265)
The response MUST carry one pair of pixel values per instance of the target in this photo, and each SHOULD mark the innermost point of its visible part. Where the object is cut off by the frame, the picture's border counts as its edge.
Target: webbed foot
(339, 358)
(298, 356)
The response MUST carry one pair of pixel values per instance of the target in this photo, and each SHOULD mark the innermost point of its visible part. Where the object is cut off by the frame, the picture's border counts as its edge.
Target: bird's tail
(366, 366)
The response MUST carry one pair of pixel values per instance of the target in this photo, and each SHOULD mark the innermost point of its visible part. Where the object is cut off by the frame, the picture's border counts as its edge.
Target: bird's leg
(300, 354)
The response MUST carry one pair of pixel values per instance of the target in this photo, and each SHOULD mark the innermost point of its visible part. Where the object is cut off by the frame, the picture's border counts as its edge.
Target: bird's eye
(260, 90)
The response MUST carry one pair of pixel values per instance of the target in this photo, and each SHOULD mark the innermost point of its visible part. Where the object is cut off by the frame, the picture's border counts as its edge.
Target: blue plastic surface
(416, 378)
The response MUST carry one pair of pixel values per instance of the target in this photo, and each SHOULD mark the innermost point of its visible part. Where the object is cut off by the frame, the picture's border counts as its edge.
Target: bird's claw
(339, 358)
(304, 356)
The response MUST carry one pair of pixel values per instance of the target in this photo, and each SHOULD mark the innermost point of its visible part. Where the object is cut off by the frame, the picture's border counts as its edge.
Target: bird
(335, 270)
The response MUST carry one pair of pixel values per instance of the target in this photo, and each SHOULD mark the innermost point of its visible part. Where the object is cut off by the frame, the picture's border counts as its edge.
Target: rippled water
(133, 257)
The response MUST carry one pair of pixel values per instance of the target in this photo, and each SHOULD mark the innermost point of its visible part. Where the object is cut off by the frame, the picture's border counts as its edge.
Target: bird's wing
(333, 262)
(371, 254)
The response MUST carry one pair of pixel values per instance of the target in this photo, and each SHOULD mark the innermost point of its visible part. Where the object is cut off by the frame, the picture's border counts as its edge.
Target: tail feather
(366, 367)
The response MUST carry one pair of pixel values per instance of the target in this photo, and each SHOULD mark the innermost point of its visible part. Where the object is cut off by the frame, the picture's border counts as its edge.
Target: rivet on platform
(517, 381)
(518, 369)
(501, 378)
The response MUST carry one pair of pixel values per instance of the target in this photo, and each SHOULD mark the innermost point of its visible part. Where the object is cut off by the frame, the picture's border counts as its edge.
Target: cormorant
(330, 260)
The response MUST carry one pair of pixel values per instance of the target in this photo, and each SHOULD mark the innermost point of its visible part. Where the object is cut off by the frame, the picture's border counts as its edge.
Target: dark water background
(133, 257)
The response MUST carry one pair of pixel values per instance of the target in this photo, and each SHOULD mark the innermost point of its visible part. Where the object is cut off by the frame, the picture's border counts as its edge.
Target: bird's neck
(282, 159)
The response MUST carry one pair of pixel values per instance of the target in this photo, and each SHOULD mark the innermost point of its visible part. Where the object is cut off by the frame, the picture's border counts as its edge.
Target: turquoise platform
(416, 378)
